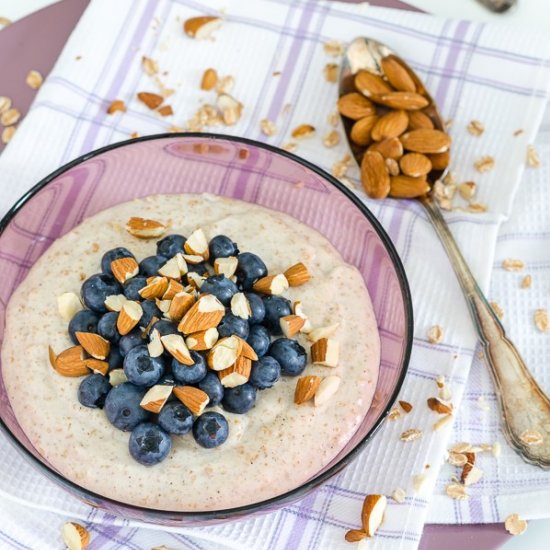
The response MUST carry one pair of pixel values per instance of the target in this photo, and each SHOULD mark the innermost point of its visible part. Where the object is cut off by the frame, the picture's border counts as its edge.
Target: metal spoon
(498, 6)
(525, 407)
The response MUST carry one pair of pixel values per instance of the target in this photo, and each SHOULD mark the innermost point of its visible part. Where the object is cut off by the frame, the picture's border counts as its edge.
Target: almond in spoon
(370, 84)
(418, 120)
(374, 175)
(405, 187)
(426, 141)
(398, 76)
(361, 131)
(389, 148)
(390, 125)
(415, 165)
(355, 106)
(409, 101)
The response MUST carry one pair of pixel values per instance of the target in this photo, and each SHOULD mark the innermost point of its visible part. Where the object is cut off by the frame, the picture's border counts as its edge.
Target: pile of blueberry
(150, 440)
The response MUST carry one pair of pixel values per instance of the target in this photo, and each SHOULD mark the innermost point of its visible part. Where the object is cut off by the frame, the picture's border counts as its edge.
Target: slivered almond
(370, 84)
(298, 309)
(226, 266)
(390, 125)
(174, 268)
(116, 106)
(124, 269)
(415, 165)
(372, 513)
(291, 325)
(323, 332)
(197, 244)
(419, 119)
(174, 344)
(405, 187)
(224, 353)
(440, 161)
(240, 306)
(94, 344)
(155, 347)
(68, 305)
(206, 313)
(114, 302)
(69, 362)
(150, 99)
(306, 386)
(201, 27)
(155, 288)
(409, 101)
(97, 366)
(355, 535)
(374, 175)
(193, 398)
(328, 387)
(325, 352)
(145, 229)
(129, 317)
(436, 405)
(203, 340)
(355, 106)
(180, 304)
(360, 132)
(209, 79)
(174, 287)
(75, 536)
(397, 75)
(297, 274)
(273, 285)
(156, 398)
(389, 148)
(237, 374)
(425, 140)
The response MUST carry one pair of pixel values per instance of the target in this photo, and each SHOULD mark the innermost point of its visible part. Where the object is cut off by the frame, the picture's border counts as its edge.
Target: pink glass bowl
(231, 167)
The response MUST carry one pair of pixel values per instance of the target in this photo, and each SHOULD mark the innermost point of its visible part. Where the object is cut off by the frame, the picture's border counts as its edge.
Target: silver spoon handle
(498, 6)
(525, 407)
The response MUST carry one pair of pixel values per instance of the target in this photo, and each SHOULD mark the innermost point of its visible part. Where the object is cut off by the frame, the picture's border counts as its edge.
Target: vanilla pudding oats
(130, 417)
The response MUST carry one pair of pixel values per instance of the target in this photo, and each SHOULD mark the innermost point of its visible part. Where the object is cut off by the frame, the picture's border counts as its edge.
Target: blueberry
(290, 355)
(129, 341)
(150, 310)
(175, 418)
(149, 444)
(112, 255)
(170, 245)
(122, 407)
(256, 306)
(107, 327)
(149, 266)
(275, 308)
(240, 399)
(199, 268)
(221, 287)
(95, 290)
(231, 324)
(212, 386)
(93, 390)
(265, 372)
(189, 374)
(164, 327)
(115, 358)
(141, 369)
(250, 269)
(83, 321)
(259, 339)
(132, 287)
(222, 247)
(210, 429)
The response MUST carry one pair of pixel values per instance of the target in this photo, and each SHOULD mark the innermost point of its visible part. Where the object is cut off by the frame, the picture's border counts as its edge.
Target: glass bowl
(231, 167)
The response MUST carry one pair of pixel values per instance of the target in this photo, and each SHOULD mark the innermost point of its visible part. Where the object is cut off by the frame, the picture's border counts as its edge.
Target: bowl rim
(317, 480)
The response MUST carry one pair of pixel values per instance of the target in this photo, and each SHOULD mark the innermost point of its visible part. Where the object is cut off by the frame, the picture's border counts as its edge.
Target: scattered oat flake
(440, 381)
(340, 167)
(484, 164)
(291, 146)
(531, 437)
(333, 118)
(303, 131)
(448, 123)
(456, 491)
(174, 129)
(8, 133)
(467, 189)
(225, 85)
(348, 183)
(418, 482)
(299, 184)
(5, 104)
(499, 312)
(457, 459)
(541, 320)
(399, 495)
(331, 72)
(394, 413)
(406, 406)
(518, 132)
(443, 421)
(34, 79)
(276, 73)
(475, 128)
(510, 264)
(4, 21)
(435, 334)
(150, 66)
(497, 449)
(526, 281)
(333, 48)
(533, 159)
(476, 208)
(482, 404)
(268, 127)
(515, 525)
(410, 435)
(331, 139)
(461, 447)
(9, 117)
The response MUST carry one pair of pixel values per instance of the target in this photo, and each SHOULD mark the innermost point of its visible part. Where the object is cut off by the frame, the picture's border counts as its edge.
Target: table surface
(528, 13)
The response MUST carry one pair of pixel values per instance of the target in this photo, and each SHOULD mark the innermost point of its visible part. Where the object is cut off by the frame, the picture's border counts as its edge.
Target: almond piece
(193, 398)
(174, 268)
(456, 491)
(151, 100)
(124, 269)
(323, 332)
(201, 27)
(156, 397)
(405, 187)
(129, 317)
(247, 350)
(193, 259)
(209, 79)
(75, 536)
(180, 304)
(389, 148)
(515, 525)
(436, 405)
(195, 280)
(370, 84)
(426, 141)
(117, 105)
(230, 108)
(174, 344)
(470, 474)
(328, 387)
(224, 353)
(174, 287)
(440, 161)
(226, 266)
(297, 274)
(69, 362)
(291, 325)
(355, 535)
(117, 377)
(272, 285)
(374, 175)
(361, 131)
(306, 386)
(145, 229)
(165, 110)
(197, 244)
(155, 347)
(207, 312)
(390, 125)
(94, 344)
(68, 305)
(409, 101)
(114, 302)
(303, 131)
(398, 76)
(150, 66)
(237, 374)
(325, 352)
(467, 190)
(372, 513)
(415, 165)
(298, 309)
(355, 106)
(155, 288)
(406, 406)
(418, 120)
(240, 306)
(203, 340)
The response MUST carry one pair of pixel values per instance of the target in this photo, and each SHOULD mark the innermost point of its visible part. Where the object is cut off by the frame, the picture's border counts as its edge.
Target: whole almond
(397, 75)
(361, 131)
(426, 141)
(370, 84)
(415, 164)
(355, 106)
(405, 187)
(389, 148)
(409, 101)
(440, 161)
(390, 125)
(151, 100)
(209, 79)
(374, 175)
(419, 119)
